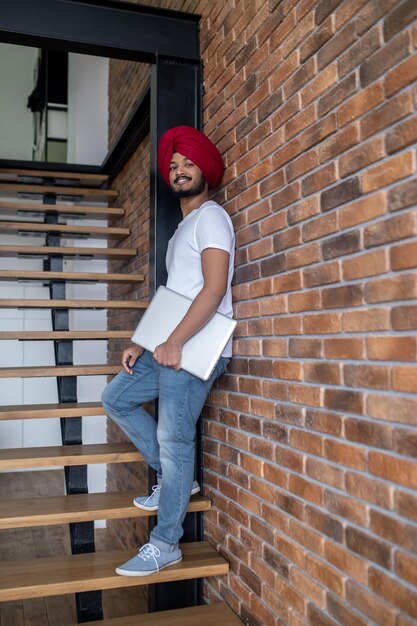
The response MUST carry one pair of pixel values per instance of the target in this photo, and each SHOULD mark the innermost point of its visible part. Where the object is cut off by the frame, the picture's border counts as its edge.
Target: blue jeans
(169, 444)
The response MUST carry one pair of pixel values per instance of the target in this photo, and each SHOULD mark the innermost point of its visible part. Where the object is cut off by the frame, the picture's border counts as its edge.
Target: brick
(346, 454)
(401, 76)
(287, 196)
(341, 245)
(306, 255)
(366, 320)
(340, 142)
(325, 373)
(283, 70)
(287, 370)
(402, 135)
(406, 567)
(307, 301)
(372, 376)
(391, 289)
(343, 400)
(325, 523)
(310, 588)
(289, 238)
(368, 546)
(316, 40)
(399, 18)
(394, 530)
(346, 561)
(299, 122)
(302, 164)
(247, 272)
(324, 80)
(402, 196)
(260, 327)
(274, 223)
(305, 348)
(388, 172)
(397, 348)
(274, 305)
(392, 409)
(336, 297)
(303, 210)
(360, 51)
(319, 179)
(325, 473)
(324, 421)
(368, 264)
(404, 256)
(260, 249)
(319, 131)
(299, 78)
(346, 508)
(270, 105)
(273, 265)
(342, 193)
(369, 433)
(393, 229)
(391, 468)
(369, 604)
(290, 281)
(404, 379)
(319, 227)
(311, 539)
(318, 618)
(362, 156)
(364, 101)
(333, 48)
(338, 94)
(306, 489)
(323, 274)
(404, 317)
(384, 59)
(274, 347)
(324, 8)
(385, 115)
(405, 505)
(304, 395)
(321, 323)
(259, 172)
(395, 593)
(343, 613)
(369, 489)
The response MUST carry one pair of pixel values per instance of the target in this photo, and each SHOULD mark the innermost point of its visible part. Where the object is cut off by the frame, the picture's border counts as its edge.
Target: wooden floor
(29, 543)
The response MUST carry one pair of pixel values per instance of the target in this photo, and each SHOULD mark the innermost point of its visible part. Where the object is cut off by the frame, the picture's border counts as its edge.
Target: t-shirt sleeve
(214, 230)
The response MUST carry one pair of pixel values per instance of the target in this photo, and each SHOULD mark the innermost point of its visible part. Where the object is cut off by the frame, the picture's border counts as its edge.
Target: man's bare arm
(215, 268)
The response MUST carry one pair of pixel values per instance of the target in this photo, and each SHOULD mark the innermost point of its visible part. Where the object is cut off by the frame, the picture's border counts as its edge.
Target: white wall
(87, 108)
(17, 64)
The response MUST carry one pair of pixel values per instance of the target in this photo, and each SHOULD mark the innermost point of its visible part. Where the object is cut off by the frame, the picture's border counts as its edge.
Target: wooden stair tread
(13, 174)
(219, 614)
(100, 232)
(58, 370)
(50, 576)
(27, 335)
(84, 507)
(13, 189)
(52, 456)
(41, 411)
(74, 210)
(67, 252)
(19, 303)
(77, 277)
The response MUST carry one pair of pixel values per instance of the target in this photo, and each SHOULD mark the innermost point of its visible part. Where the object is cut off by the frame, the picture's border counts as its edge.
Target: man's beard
(194, 190)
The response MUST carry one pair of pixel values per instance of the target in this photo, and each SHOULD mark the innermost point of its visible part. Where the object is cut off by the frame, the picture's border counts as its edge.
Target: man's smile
(181, 179)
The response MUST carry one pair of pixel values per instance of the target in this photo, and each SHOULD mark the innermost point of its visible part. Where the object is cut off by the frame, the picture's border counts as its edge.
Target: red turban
(194, 145)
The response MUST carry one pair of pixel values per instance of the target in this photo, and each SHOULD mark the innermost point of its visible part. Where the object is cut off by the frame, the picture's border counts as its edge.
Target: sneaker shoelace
(155, 490)
(149, 551)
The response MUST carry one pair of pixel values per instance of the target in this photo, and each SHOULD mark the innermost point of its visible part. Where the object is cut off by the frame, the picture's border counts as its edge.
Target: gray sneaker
(149, 560)
(151, 503)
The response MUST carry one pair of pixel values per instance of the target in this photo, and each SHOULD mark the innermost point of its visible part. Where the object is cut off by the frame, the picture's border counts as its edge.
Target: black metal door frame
(169, 41)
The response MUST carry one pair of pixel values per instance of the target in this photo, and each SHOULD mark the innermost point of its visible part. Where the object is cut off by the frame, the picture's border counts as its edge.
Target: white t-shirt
(206, 227)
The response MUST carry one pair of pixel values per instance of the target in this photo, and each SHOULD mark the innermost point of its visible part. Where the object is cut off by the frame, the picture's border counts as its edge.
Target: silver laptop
(202, 351)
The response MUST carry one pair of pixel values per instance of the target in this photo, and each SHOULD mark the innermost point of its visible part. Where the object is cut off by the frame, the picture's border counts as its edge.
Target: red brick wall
(310, 440)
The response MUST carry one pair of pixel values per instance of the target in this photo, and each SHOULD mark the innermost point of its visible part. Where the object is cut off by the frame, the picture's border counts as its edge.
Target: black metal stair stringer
(88, 603)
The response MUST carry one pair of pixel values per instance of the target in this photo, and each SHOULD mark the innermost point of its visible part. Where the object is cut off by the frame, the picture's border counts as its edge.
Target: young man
(199, 261)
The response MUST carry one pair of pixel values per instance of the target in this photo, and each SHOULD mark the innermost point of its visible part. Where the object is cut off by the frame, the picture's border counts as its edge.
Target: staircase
(25, 194)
